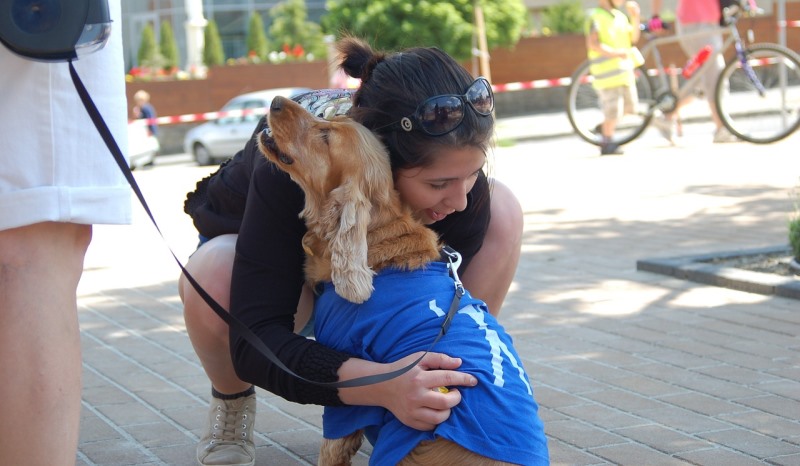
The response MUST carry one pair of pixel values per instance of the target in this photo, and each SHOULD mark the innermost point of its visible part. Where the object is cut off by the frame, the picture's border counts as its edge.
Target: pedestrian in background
(697, 25)
(57, 178)
(610, 39)
(144, 110)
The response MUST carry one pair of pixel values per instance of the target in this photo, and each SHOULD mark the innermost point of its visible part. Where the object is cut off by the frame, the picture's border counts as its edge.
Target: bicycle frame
(756, 95)
(665, 98)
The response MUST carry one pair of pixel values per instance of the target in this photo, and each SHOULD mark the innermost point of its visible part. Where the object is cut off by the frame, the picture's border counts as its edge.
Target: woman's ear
(345, 220)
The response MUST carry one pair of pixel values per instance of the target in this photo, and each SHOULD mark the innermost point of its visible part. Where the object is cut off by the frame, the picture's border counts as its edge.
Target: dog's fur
(357, 226)
(356, 222)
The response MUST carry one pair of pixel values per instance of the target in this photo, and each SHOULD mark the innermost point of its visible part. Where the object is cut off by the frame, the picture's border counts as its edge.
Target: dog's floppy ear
(345, 220)
(366, 180)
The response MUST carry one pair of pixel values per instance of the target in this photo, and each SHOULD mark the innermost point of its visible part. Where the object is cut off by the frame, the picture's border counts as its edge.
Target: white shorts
(54, 165)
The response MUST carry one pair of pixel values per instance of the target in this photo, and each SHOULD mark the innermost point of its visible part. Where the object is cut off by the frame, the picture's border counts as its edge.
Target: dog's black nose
(277, 104)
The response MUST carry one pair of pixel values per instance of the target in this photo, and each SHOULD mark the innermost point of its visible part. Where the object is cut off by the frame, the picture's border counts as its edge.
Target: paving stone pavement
(628, 367)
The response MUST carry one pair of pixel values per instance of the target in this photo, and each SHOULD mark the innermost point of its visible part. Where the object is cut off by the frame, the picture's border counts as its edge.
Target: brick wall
(225, 82)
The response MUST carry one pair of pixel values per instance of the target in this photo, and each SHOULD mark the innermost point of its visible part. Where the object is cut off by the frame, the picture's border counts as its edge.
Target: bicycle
(757, 95)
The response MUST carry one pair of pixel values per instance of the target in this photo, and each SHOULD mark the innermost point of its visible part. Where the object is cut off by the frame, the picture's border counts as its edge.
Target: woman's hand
(414, 397)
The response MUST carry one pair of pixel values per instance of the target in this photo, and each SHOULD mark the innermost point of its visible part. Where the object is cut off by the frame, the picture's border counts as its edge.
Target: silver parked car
(220, 139)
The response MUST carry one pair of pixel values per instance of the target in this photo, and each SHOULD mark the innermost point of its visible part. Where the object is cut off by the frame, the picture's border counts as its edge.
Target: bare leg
(492, 270)
(674, 115)
(40, 354)
(714, 115)
(609, 125)
(212, 265)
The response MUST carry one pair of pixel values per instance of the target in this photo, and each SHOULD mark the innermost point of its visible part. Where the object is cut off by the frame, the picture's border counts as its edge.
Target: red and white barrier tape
(497, 88)
(207, 116)
(791, 24)
(537, 84)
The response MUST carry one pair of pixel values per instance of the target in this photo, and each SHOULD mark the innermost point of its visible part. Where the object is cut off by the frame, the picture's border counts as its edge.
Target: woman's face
(438, 190)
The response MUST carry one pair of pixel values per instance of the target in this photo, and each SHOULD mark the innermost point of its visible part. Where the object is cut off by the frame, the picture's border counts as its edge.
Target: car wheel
(202, 156)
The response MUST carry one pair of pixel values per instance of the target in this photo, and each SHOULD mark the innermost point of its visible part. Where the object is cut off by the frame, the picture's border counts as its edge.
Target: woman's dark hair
(393, 85)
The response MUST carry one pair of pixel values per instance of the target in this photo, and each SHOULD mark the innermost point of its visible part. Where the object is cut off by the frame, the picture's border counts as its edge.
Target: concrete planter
(794, 264)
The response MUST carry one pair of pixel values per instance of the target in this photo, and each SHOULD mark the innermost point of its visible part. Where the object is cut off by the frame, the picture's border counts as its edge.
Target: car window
(232, 106)
(255, 105)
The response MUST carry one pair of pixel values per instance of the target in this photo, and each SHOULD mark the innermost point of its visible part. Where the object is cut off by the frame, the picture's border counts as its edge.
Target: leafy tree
(148, 52)
(168, 46)
(565, 17)
(212, 48)
(397, 24)
(291, 28)
(256, 38)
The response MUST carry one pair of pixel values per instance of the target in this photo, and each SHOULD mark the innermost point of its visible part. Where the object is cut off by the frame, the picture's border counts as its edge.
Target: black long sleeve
(268, 277)
(265, 288)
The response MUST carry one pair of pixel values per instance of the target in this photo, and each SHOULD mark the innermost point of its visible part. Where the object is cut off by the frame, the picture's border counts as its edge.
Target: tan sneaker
(722, 135)
(228, 439)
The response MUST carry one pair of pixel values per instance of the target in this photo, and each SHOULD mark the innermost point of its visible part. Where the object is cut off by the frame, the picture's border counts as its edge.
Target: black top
(268, 273)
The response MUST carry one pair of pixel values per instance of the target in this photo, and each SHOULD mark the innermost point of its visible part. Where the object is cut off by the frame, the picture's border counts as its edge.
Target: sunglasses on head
(441, 114)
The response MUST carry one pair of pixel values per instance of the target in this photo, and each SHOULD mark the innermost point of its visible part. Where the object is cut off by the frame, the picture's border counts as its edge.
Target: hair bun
(358, 59)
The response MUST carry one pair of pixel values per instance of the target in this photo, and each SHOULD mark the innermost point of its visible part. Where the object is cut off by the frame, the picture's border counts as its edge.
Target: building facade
(187, 18)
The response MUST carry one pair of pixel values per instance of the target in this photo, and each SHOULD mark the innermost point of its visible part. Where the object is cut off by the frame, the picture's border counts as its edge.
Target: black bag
(217, 203)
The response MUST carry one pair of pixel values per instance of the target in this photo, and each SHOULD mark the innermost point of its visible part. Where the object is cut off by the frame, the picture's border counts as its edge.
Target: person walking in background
(57, 179)
(694, 17)
(144, 110)
(610, 39)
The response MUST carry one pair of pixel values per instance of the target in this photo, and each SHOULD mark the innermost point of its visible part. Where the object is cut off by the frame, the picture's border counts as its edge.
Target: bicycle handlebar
(746, 8)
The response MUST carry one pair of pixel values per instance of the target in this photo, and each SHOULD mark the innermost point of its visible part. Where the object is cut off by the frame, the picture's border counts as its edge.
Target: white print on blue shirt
(496, 345)
(436, 309)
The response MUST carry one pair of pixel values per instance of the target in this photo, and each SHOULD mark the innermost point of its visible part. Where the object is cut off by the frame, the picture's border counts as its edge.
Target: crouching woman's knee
(211, 266)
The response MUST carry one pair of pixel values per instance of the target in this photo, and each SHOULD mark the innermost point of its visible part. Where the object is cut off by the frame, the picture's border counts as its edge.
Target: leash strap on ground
(232, 321)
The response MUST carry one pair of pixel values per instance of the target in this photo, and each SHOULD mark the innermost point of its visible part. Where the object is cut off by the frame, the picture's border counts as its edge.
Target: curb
(696, 268)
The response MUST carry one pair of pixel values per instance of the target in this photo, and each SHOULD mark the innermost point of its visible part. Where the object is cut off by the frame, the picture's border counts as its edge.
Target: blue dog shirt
(497, 418)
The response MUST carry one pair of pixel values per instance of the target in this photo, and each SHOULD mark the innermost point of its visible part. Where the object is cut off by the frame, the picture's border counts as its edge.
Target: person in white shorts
(693, 18)
(57, 178)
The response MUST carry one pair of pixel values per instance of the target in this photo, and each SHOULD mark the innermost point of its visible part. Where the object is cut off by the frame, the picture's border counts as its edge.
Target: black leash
(454, 260)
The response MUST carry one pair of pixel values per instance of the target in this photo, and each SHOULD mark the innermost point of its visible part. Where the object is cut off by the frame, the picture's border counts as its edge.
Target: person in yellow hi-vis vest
(610, 36)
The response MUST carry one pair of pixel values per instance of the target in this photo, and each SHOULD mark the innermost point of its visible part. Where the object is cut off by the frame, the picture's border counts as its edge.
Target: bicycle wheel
(760, 103)
(585, 115)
